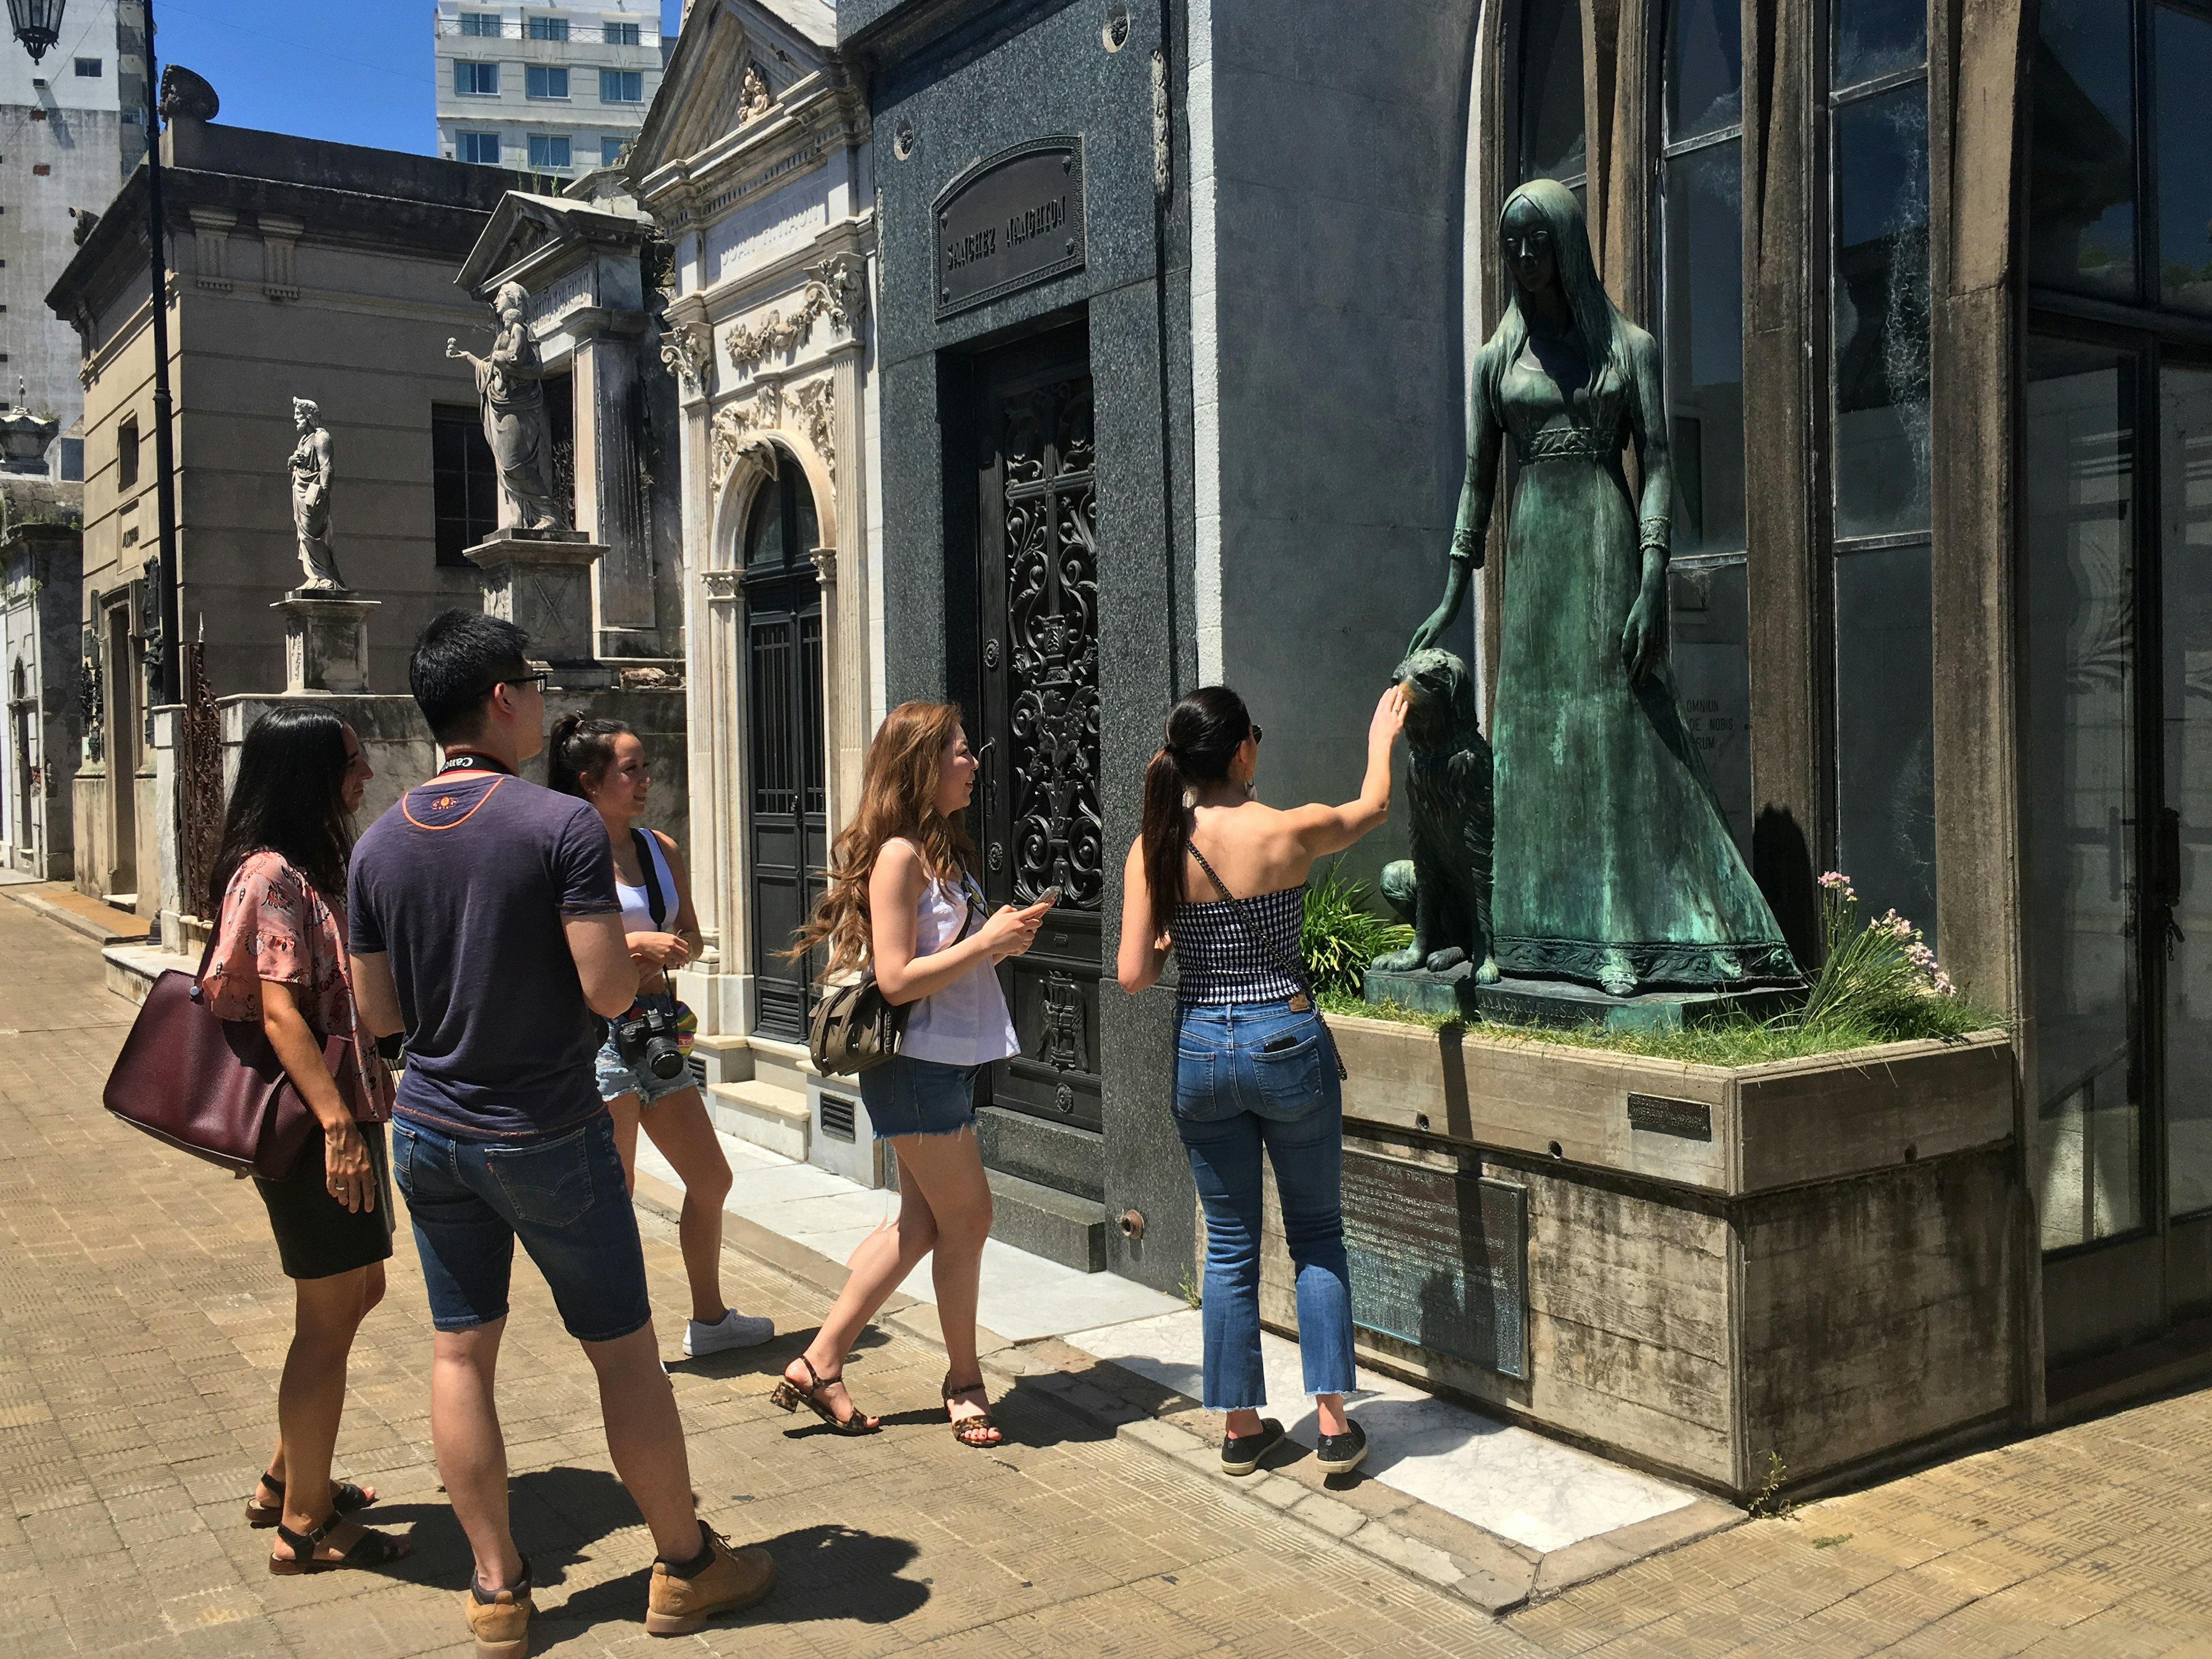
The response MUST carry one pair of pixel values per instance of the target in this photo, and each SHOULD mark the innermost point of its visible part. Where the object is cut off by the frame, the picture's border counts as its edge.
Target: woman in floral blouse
(280, 959)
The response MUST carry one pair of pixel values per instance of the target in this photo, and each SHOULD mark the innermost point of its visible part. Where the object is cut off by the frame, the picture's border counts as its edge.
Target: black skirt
(316, 1235)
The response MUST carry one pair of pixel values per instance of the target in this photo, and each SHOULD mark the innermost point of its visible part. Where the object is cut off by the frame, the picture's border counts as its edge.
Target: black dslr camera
(648, 1037)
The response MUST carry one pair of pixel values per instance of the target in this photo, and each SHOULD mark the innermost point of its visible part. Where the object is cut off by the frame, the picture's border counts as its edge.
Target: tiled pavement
(142, 1321)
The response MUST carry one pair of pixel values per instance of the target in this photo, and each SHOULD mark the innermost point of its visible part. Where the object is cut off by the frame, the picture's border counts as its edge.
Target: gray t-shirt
(463, 884)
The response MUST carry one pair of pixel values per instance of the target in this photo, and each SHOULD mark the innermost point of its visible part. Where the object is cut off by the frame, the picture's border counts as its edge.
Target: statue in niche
(311, 499)
(509, 381)
(752, 96)
(1444, 889)
(1613, 864)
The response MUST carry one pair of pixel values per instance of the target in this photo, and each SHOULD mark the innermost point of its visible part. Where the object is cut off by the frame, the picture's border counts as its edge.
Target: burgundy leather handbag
(215, 1087)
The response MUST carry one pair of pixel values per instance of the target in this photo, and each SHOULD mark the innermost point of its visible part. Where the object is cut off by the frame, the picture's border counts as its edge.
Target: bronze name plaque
(1008, 221)
(1691, 1120)
(1439, 1259)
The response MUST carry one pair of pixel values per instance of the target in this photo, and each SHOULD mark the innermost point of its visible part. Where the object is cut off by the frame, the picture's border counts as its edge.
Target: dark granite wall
(987, 78)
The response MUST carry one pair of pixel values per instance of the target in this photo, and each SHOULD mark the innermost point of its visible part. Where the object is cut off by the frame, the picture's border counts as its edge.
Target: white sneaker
(732, 1330)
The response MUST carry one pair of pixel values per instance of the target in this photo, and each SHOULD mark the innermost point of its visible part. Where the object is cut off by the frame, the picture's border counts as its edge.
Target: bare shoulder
(898, 861)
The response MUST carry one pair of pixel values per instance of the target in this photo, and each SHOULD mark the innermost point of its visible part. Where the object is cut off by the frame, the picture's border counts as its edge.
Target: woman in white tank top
(604, 762)
(901, 901)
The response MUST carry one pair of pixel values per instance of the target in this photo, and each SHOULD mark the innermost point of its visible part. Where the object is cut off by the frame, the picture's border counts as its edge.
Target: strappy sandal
(346, 1498)
(964, 1427)
(789, 1395)
(371, 1549)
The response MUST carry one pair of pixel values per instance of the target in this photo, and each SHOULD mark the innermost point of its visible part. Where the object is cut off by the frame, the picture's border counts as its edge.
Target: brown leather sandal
(789, 1395)
(346, 1498)
(371, 1549)
(965, 1427)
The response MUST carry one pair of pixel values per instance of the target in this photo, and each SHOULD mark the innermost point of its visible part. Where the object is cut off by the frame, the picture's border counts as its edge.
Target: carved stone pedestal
(325, 641)
(541, 581)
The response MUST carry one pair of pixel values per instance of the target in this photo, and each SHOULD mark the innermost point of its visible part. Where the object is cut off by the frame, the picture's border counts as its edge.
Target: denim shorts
(618, 1077)
(919, 1097)
(565, 1199)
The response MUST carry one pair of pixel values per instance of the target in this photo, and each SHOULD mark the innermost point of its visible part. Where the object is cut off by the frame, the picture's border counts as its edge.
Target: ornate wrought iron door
(1038, 805)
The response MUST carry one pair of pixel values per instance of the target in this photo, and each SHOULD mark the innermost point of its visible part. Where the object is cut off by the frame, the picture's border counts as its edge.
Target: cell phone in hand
(1049, 898)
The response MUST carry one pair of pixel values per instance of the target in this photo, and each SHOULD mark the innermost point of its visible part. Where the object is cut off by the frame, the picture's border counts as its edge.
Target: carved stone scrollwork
(1062, 1046)
(817, 404)
(747, 346)
(686, 351)
(720, 584)
(736, 429)
(843, 280)
(838, 288)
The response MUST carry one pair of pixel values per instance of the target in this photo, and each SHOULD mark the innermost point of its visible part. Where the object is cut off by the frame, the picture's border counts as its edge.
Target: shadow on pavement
(821, 1572)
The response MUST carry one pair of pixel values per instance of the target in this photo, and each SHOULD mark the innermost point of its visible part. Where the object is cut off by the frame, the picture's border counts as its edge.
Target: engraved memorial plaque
(1439, 1259)
(1010, 220)
(1690, 1119)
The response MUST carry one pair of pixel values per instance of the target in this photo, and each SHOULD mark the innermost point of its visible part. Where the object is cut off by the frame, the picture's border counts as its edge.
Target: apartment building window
(610, 151)
(88, 69)
(548, 151)
(481, 148)
(622, 87)
(464, 482)
(542, 81)
(476, 80)
(483, 23)
(619, 34)
(126, 454)
(548, 28)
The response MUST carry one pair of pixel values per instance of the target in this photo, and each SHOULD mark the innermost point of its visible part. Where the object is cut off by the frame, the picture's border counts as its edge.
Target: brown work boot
(501, 1625)
(732, 1579)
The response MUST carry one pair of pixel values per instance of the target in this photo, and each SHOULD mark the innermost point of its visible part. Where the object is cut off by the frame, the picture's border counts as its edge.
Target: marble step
(773, 1118)
(1046, 1222)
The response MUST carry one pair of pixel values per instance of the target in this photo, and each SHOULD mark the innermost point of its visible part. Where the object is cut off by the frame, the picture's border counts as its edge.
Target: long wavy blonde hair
(898, 798)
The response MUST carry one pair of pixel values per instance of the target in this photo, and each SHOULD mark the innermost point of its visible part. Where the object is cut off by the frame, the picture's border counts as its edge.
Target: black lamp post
(38, 24)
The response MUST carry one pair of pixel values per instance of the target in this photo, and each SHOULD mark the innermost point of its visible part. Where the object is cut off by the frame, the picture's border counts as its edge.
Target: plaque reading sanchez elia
(1010, 220)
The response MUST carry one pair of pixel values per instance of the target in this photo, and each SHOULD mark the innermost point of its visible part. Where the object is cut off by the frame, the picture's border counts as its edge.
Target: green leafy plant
(1193, 1292)
(1341, 935)
(1768, 1503)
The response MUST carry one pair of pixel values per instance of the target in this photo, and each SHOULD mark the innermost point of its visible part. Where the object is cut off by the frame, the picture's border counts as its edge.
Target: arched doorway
(786, 804)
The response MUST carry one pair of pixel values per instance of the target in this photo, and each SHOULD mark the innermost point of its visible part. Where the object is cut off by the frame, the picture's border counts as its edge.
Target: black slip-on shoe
(1241, 1454)
(1340, 1454)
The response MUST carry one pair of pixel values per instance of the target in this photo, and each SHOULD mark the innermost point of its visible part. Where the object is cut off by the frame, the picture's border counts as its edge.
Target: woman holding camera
(603, 760)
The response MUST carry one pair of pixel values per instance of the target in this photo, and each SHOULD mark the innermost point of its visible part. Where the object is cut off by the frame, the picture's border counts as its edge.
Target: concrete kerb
(99, 931)
(1406, 1535)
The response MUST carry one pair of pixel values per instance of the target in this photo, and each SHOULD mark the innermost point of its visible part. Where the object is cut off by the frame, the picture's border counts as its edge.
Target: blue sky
(358, 73)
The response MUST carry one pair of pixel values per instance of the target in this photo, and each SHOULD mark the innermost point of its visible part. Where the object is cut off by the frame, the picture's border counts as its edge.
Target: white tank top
(637, 902)
(966, 1023)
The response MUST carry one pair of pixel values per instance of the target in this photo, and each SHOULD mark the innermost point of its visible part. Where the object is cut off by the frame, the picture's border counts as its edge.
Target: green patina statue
(1612, 864)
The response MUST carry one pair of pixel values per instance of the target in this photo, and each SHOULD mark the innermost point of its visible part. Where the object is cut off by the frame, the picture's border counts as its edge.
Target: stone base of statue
(541, 581)
(1450, 993)
(1563, 1003)
(325, 641)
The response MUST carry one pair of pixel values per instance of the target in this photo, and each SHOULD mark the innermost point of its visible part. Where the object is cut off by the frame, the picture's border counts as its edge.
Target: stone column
(610, 414)
(326, 642)
(541, 581)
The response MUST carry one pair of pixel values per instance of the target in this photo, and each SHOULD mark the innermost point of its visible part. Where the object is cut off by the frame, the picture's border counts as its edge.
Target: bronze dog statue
(1444, 889)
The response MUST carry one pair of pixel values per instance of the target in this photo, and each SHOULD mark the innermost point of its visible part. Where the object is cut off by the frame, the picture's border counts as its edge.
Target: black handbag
(854, 1029)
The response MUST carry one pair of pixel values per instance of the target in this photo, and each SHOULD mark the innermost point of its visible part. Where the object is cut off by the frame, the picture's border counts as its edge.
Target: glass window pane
(1552, 89)
(1878, 37)
(2185, 591)
(1709, 611)
(2183, 156)
(1884, 730)
(1704, 67)
(2082, 182)
(2079, 686)
(1880, 297)
(1704, 345)
(764, 533)
(810, 528)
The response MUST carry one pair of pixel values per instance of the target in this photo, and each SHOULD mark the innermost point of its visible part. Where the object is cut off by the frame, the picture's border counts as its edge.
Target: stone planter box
(1816, 1259)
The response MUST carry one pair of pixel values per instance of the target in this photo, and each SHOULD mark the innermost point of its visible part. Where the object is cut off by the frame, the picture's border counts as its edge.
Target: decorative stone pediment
(733, 61)
(536, 240)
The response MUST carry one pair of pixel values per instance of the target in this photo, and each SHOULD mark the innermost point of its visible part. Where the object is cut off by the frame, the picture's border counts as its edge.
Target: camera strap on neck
(646, 858)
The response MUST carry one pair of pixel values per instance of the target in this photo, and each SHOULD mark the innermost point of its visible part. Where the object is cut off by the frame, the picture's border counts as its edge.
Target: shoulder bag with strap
(1304, 1001)
(854, 1029)
(213, 1087)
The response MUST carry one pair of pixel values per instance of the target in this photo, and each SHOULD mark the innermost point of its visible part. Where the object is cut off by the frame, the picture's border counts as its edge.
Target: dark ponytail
(578, 749)
(1204, 731)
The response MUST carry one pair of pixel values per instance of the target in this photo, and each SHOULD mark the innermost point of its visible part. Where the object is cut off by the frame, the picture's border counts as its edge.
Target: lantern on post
(37, 23)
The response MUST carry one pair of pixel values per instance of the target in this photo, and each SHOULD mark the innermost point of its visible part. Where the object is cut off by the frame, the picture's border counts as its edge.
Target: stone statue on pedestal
(509, 382)
(310, 466)
(1613, 864)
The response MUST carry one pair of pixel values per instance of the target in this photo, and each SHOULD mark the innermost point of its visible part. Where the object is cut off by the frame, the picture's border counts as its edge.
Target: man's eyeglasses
(1256, 733)
(538, 680)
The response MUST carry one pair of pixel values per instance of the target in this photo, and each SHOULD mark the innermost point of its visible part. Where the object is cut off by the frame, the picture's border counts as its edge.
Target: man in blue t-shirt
(484, 924)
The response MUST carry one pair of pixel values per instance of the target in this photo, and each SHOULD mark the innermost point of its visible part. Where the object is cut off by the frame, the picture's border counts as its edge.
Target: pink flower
(1834, 879)
(1943, 986)
(1920, 956)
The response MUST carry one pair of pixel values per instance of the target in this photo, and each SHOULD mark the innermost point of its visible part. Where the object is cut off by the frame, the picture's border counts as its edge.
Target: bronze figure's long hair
(898, 797)
(1204, 731)
(1598, 322)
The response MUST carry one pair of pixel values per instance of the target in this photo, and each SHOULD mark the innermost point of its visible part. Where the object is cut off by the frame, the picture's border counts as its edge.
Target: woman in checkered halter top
(1218, 879)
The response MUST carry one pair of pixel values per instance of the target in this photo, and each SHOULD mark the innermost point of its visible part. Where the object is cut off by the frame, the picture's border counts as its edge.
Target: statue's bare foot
(1615, 975)
(1441, 961)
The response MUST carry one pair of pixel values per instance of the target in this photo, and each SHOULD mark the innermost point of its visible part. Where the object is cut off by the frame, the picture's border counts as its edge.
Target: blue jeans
(1249, 1076)
(565, 1199)
(908, 1097)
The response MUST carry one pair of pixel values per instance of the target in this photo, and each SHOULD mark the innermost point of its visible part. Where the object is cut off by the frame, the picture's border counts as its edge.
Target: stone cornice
(792, 138)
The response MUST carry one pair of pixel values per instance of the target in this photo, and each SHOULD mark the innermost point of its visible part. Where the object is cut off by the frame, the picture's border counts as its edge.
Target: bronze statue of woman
(1613, 866)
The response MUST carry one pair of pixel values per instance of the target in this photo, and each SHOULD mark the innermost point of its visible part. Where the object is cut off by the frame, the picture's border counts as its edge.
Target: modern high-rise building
(72, 125)
(556, 89)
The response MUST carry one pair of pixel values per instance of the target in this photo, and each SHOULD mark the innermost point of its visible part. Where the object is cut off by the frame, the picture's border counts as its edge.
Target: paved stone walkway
(142, 1322)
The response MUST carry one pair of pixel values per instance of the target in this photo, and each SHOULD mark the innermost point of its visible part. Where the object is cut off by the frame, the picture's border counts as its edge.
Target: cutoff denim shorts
(919, 1097)
(565, 1199)
(618, 1077)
